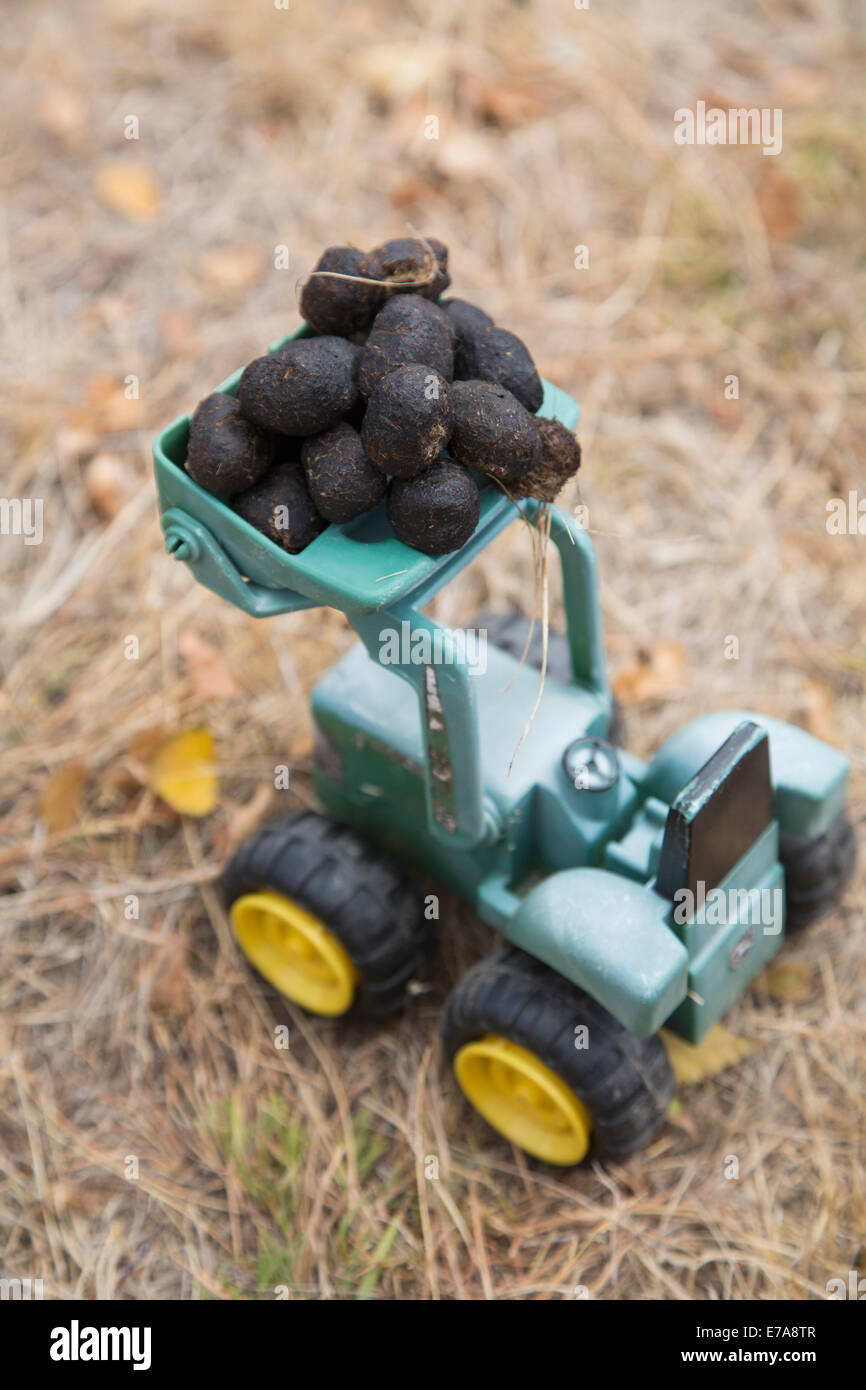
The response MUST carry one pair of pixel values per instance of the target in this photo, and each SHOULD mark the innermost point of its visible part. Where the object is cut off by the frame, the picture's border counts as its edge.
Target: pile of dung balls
(395, 395)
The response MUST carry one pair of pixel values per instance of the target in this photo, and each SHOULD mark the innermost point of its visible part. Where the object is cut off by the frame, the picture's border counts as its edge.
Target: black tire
(508, 632)
(817, 871)
(626, 1082)
(352, 886)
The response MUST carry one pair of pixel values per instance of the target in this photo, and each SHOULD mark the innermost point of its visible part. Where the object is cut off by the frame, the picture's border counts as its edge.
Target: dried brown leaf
(652, 675)
(692, 1063)
(818, 704)
(788, 982)
(63, 112)
(108, 407)
(60, 803)
(170, 989)
(130, 190)
(109, 482)
(209, 676)
(232, 267)
(780, 204)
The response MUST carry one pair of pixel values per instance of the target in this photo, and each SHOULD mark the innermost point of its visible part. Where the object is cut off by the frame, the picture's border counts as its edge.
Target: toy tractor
(630, 895)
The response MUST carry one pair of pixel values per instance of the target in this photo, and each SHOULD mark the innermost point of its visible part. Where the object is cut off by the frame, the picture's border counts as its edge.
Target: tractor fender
(608, 935)
(810, 779)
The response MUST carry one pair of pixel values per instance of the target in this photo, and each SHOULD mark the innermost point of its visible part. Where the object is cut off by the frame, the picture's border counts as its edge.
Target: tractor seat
(718, 815)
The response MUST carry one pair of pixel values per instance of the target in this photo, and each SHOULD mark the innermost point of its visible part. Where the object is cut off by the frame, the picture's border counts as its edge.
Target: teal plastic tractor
(631, 895)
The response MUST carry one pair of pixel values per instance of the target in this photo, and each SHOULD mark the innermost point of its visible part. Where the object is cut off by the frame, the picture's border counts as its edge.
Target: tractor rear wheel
(816, 871)
(509, 631)
(325, 916)
(548, 1067)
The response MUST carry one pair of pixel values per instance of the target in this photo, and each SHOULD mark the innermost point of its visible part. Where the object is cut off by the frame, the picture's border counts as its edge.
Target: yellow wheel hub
(295, 952)
(522, 1098)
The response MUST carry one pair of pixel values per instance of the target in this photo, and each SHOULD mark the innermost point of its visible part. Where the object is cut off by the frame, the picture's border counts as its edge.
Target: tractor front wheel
(325, 916)
(548, 1067)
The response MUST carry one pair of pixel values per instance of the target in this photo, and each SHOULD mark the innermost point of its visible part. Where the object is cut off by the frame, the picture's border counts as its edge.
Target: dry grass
(147, 1037)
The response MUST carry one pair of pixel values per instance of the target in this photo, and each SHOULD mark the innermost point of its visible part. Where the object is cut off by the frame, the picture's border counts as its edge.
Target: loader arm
(457, 813)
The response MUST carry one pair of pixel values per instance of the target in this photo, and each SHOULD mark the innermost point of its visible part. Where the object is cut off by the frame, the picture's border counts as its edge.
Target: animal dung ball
(492, 432)
(303, 388)
(280, 506)
(494, 354)
(560, 460)
(342, 481)
(409, 259)
(355, 416)
(407, 329)
(441, 277)
(226, 453)
(408, 420)
(437, 511)
(364, 405)
(344, 306)
(467, 320)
